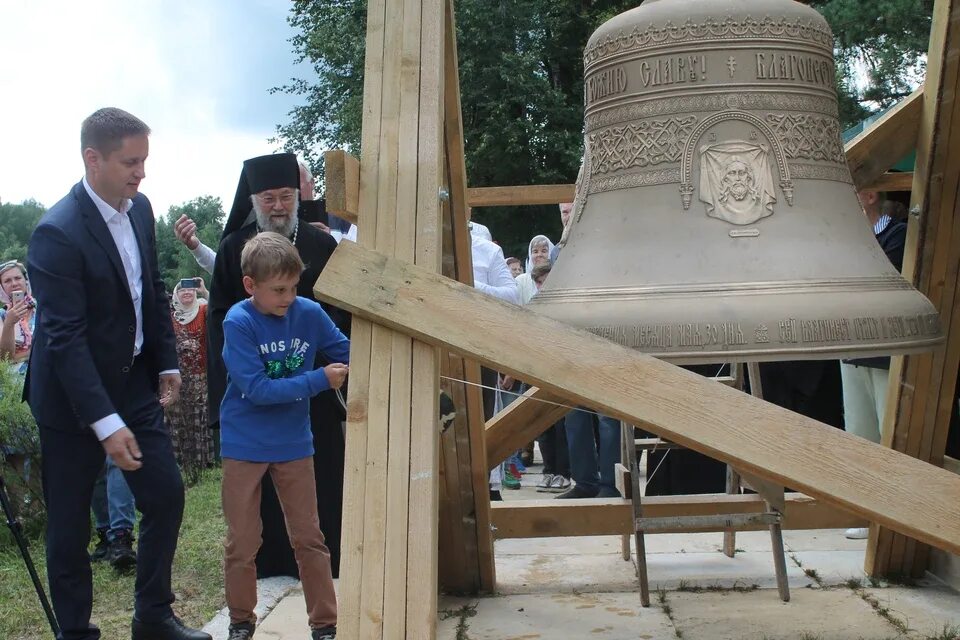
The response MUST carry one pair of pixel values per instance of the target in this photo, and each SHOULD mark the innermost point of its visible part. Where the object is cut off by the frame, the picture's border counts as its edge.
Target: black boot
(102, 548)
(169, 629)
(121, 555)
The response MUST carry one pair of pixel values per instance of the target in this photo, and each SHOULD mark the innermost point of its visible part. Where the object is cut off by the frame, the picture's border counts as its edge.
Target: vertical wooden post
(466, 478)
(921, 391)
(389, 575)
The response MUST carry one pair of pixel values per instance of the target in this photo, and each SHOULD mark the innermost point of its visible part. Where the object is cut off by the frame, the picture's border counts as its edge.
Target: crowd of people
(130, 384)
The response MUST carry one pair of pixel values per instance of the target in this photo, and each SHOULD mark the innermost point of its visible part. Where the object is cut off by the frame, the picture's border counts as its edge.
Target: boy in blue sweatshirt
(270, 344)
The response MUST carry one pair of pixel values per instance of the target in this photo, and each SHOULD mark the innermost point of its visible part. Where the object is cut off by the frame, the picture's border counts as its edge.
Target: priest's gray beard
(266, 223)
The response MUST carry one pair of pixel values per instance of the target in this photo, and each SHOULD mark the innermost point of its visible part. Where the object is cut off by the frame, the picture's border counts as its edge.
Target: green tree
(16, 224)
(521, 71)
(880, 45)
(175, 260)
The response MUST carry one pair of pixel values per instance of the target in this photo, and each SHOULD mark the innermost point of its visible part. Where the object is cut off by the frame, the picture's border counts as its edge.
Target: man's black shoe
(578, 492)
(121, 555)
(102, 548)
(326, 633)
(607, 492)
(169, 629)
(241, 631)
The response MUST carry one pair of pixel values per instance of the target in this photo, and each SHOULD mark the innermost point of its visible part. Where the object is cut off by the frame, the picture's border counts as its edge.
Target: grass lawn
(197, 576)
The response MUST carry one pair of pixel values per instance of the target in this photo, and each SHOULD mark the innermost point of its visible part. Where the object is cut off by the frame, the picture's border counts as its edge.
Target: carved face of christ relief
(737, 181)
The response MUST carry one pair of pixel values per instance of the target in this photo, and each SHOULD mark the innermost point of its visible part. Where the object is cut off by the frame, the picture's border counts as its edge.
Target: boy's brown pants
(297, 491)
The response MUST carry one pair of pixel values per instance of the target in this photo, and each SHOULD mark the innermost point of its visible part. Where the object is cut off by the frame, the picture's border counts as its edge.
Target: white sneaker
(857, 533)
(544, 484)
(559, 484)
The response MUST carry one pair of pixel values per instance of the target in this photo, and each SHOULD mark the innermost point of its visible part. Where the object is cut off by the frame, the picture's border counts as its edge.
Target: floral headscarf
(182, 313)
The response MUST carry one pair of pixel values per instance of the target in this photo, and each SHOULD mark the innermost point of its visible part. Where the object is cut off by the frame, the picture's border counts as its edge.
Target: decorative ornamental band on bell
(715, 216)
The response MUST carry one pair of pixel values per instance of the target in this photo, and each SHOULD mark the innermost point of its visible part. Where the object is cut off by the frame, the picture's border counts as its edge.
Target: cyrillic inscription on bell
(715, 216)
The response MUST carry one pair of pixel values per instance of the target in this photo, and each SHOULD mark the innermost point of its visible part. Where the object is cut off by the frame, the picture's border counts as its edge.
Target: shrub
(20, 450)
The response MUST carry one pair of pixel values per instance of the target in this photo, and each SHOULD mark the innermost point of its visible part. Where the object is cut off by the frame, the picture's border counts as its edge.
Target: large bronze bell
(715, 218)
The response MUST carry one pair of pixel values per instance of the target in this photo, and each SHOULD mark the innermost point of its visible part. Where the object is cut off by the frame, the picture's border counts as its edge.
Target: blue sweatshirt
(265, 413)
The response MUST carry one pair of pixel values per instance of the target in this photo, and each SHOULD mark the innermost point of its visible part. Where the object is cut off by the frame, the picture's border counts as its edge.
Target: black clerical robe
(326, 413)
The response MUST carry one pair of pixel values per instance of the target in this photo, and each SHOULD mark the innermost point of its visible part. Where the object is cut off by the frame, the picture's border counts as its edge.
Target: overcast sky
(197, 72)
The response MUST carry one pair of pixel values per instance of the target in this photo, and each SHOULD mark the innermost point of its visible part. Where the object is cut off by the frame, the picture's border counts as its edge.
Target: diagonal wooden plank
(885, 141)
(521, 422)
(905, 494)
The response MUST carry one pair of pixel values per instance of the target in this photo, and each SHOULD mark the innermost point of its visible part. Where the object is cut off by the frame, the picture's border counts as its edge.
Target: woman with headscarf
(538, 252)
(18, 315)
(187, 419)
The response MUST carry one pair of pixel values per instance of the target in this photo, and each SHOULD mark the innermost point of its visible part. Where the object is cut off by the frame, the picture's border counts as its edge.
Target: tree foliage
(521, 72)
(16, 224)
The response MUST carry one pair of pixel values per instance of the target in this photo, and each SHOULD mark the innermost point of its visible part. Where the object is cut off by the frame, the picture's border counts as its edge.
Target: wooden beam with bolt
(772, 443)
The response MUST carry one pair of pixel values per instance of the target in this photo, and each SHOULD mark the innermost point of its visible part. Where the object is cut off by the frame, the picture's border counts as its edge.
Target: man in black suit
(103, 364)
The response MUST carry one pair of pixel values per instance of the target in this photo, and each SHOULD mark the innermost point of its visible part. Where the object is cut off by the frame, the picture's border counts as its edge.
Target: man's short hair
(105, 129)
(512, 260)
(268, 255)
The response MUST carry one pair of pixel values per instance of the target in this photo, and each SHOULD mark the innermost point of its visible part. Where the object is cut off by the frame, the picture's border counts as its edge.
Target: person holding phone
(18, 315)
(187, 419)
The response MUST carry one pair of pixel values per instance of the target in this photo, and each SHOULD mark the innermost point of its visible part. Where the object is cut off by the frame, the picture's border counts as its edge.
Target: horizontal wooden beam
(755, 437)
(341, 184)
(520, 422)
(614, 516)
(522, 195)
(885, 141)
(893, 181)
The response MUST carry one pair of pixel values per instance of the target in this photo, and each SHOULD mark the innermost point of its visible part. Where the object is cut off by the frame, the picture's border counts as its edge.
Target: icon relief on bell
(736, 183)
(732, 65)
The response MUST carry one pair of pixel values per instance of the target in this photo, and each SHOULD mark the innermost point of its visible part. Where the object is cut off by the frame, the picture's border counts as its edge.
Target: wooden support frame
(341, 184)
(599, 516)
(522, 195)
(921, 390)
(521, 422)
(390, 563)
(768, 441)
(885, 141)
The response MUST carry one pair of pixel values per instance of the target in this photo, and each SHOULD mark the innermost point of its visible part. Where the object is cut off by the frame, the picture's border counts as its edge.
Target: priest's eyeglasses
(269, 200)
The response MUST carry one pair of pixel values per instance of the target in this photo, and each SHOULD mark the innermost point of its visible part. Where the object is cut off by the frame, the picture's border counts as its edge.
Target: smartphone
(190, 283)
(18, 296)
(313, 211)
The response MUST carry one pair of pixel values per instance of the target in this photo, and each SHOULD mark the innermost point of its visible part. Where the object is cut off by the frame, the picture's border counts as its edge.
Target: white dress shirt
(118, 222)
(205, 257)
(490, 271)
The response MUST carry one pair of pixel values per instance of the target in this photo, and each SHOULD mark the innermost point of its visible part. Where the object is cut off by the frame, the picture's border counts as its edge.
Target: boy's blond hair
(267, 255)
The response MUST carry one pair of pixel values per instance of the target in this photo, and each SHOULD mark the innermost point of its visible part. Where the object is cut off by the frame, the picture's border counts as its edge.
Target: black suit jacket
(86, 325)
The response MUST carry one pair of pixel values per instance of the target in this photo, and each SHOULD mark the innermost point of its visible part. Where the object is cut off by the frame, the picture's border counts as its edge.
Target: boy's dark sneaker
(326, 633)
(121, 554)
(241, 631)
(102, 547)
